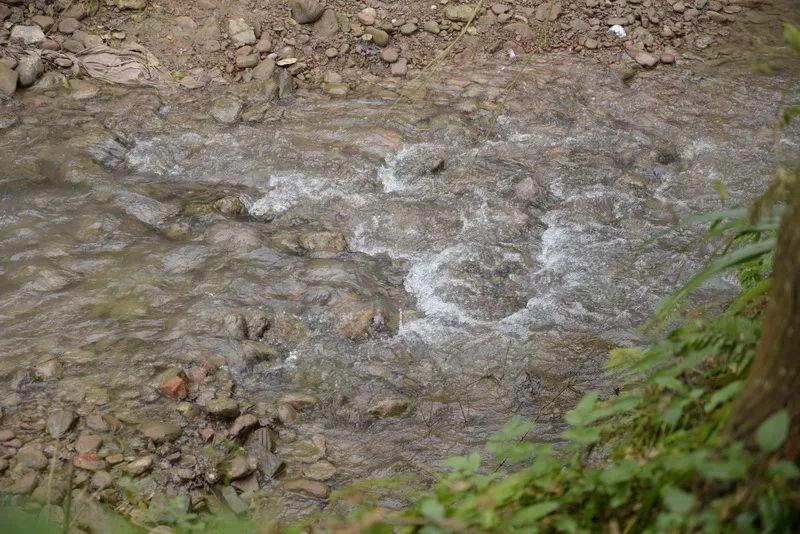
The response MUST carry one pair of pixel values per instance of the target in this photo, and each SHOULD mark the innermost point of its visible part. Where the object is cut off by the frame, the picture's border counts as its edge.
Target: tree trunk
(774, 380)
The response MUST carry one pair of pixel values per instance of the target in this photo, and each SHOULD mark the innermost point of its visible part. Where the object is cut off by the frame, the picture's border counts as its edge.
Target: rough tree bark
(774, 379)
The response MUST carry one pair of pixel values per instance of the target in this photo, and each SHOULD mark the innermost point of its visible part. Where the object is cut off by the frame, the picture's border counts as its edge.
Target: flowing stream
(493, 256)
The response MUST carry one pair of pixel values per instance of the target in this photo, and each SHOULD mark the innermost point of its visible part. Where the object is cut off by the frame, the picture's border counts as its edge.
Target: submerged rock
(389, 408)
(307, 488)
(60, 422)
(160, 432)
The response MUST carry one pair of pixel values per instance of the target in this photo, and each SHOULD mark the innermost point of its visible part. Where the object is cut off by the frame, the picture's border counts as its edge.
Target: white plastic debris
(617, 30)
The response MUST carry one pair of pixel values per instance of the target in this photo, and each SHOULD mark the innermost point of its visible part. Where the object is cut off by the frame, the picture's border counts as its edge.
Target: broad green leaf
(468, 464)
(746, 297)
(674, 411)
(773, 431)
(623, 357)
(432, 508)
(792, 35)
(531, 514)
(677, 500)
(621, 472)
(784, 469)
(582, 435)
(723, 395)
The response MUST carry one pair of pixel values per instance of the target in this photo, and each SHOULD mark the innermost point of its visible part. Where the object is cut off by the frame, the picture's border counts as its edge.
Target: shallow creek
(490, 261)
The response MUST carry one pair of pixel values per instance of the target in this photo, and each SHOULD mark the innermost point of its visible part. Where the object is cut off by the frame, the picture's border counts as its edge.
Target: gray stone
(223, 407)
(23, 485)
(30, 457)
(241, 33)
(60, 422)
(431, 26)
(459, 13)
(226, 109)
(69, 26)
(247, 62)
(240, 467)
(236, 504)
(389, 408)
(160, 432)
(81, 89)
(307, 488)
(379, 37)
(264, 69)
(327, 26)
(8, 80)
(101, 480)
(139, 466)
(321, 470)
(408, 28)
(134, 5)
(242, 423)
(390, 54)
(29, 35)
(645, 59)
(29, 69)
(306, 11)
(43, 21)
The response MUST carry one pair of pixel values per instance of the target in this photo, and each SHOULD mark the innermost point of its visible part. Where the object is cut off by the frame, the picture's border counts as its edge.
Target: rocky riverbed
(340, 45)
(224, 298)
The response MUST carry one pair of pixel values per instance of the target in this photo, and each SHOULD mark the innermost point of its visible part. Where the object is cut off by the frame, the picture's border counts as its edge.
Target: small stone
(43, 21)
(6, 435)
(223, 407)
(241, 33)
(367, 16)
(97, 422)
(69, 26)
(236, 504)
(174, 388)
(408, 28)
(30, 457)
(241, 466)
(321, 470)
(332, 77)
(226, 109)
(72, 45)
(668, 57)
(287, 414)
(88, 442)
(298, 400)
(263, 45)
(306, 11)
(327, 26)
(133, 5)
(645, 59)
(389, 408)
(499, 9)
(246, 484)
(101, 480)
(379, 37)
(459, 13)
(591, 44)
(264, 69)
(81, 89)
(390, 54)
(160, 432)
(331, 52)
(23, 485)
(50, 44)
(243, 423)
(8, 80)
(60, 422)
(139, 466)
(307, 488)
(400, 68)
(431, 26)
(322, 241)
(247, 62)
(28, 35)
(88, 461)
